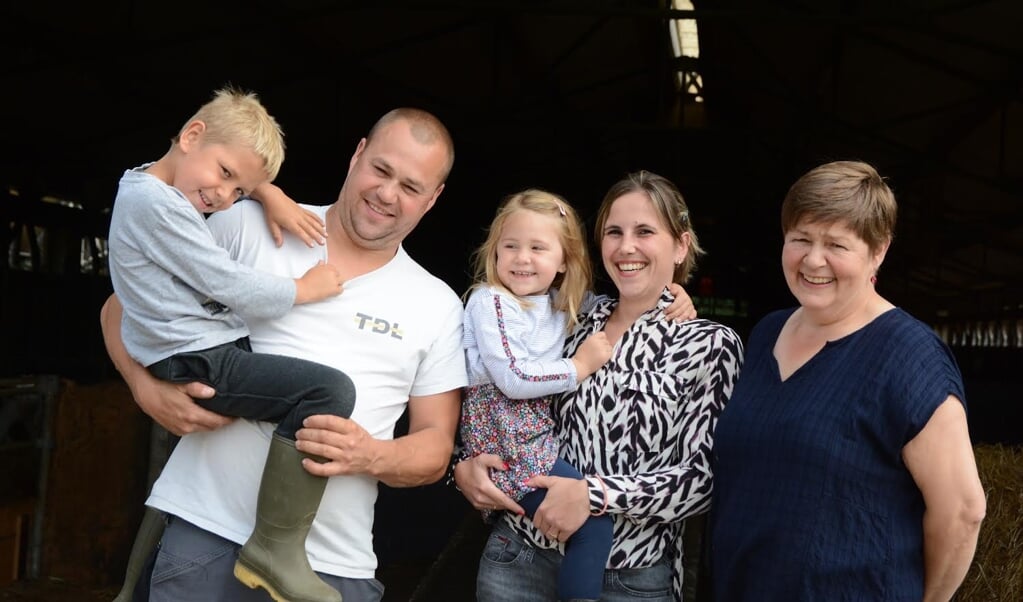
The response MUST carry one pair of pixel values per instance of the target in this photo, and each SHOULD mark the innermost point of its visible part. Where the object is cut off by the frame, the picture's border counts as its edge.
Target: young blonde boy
(186, 303)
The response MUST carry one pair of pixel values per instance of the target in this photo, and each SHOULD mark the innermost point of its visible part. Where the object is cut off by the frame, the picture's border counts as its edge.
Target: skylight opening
(685, 42)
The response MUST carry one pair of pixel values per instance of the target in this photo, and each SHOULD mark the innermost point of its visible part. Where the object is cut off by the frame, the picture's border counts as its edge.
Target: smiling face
(529, 253)
(213, 176)
(638, 250)
(828, 268)
(393, 180)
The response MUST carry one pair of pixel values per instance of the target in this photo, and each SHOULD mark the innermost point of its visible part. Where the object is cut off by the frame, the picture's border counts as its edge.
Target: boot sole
(253, 580)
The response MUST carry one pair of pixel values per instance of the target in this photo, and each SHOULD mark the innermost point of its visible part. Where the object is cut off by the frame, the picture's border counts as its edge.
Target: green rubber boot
(150, 532)
(274, 557)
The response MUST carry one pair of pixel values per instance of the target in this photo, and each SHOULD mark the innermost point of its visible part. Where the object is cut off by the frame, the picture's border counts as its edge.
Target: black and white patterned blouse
(644, 422)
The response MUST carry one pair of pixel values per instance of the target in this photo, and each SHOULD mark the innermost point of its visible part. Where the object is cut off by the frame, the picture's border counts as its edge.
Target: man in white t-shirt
(395, 330)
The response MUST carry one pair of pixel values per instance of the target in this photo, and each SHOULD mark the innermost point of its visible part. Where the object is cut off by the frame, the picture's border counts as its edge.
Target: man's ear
(192, 134)
(358, 153)
(433, 199)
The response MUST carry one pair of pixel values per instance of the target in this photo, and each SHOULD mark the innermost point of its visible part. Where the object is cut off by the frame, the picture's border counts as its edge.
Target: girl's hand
(592, 354)
(472, 477)
(282, 212)
(565, 508)
(682, 308)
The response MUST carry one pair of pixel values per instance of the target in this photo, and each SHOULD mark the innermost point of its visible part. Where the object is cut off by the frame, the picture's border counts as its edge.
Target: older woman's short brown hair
(847, 192)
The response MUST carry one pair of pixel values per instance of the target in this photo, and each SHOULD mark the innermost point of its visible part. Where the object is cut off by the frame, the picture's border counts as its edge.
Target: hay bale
(997, 569)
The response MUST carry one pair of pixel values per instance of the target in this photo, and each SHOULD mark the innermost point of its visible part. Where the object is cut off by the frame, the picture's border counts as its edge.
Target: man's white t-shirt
(396, 332)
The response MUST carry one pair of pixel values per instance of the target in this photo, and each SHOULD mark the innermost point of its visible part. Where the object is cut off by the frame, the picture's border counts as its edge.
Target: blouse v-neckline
(829, 344)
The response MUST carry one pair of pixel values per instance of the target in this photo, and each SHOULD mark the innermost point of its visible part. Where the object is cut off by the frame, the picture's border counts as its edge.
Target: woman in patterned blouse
(639, 428)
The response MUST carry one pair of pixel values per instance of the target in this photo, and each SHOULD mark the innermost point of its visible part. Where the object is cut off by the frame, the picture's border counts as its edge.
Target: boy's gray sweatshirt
(179, 289)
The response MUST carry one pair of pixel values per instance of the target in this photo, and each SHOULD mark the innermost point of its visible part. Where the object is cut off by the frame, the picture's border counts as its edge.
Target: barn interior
(732, 100)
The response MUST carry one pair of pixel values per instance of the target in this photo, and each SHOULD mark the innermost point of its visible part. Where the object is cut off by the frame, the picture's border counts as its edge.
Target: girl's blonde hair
(574, 282)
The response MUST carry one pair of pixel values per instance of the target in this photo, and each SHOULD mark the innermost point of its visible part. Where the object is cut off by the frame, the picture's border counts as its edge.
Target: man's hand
(173, 407)
(418, 458)
(168, 404)
(347, 447)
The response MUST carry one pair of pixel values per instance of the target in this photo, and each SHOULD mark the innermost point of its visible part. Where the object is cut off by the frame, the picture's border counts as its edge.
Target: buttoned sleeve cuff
(458, 454)
(598, 495)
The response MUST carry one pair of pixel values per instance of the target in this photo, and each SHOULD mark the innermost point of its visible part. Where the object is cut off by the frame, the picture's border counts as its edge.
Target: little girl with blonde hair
(532, 277)
(532, 280)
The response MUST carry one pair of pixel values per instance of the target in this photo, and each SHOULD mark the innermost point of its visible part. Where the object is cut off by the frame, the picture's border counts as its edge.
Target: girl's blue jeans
(582, 569)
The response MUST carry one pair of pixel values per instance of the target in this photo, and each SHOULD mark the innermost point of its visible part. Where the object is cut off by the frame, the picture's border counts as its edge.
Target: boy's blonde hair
(574, 282)
(234, 116)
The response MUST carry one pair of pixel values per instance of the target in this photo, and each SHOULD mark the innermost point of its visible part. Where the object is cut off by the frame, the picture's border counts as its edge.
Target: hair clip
(561, 209)
(684, 216)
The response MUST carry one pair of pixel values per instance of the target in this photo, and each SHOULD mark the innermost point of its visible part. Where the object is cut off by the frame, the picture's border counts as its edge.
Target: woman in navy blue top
(843, 464)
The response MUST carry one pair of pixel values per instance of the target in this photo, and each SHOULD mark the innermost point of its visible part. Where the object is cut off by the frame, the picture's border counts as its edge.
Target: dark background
(566, 95)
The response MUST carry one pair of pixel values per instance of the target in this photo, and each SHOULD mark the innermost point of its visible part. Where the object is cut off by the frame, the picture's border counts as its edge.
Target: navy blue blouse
(811, 499)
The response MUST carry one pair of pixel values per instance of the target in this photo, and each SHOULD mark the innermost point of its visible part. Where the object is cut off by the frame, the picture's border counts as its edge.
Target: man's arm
(940, 458)
(418, 458)
(168, 404)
